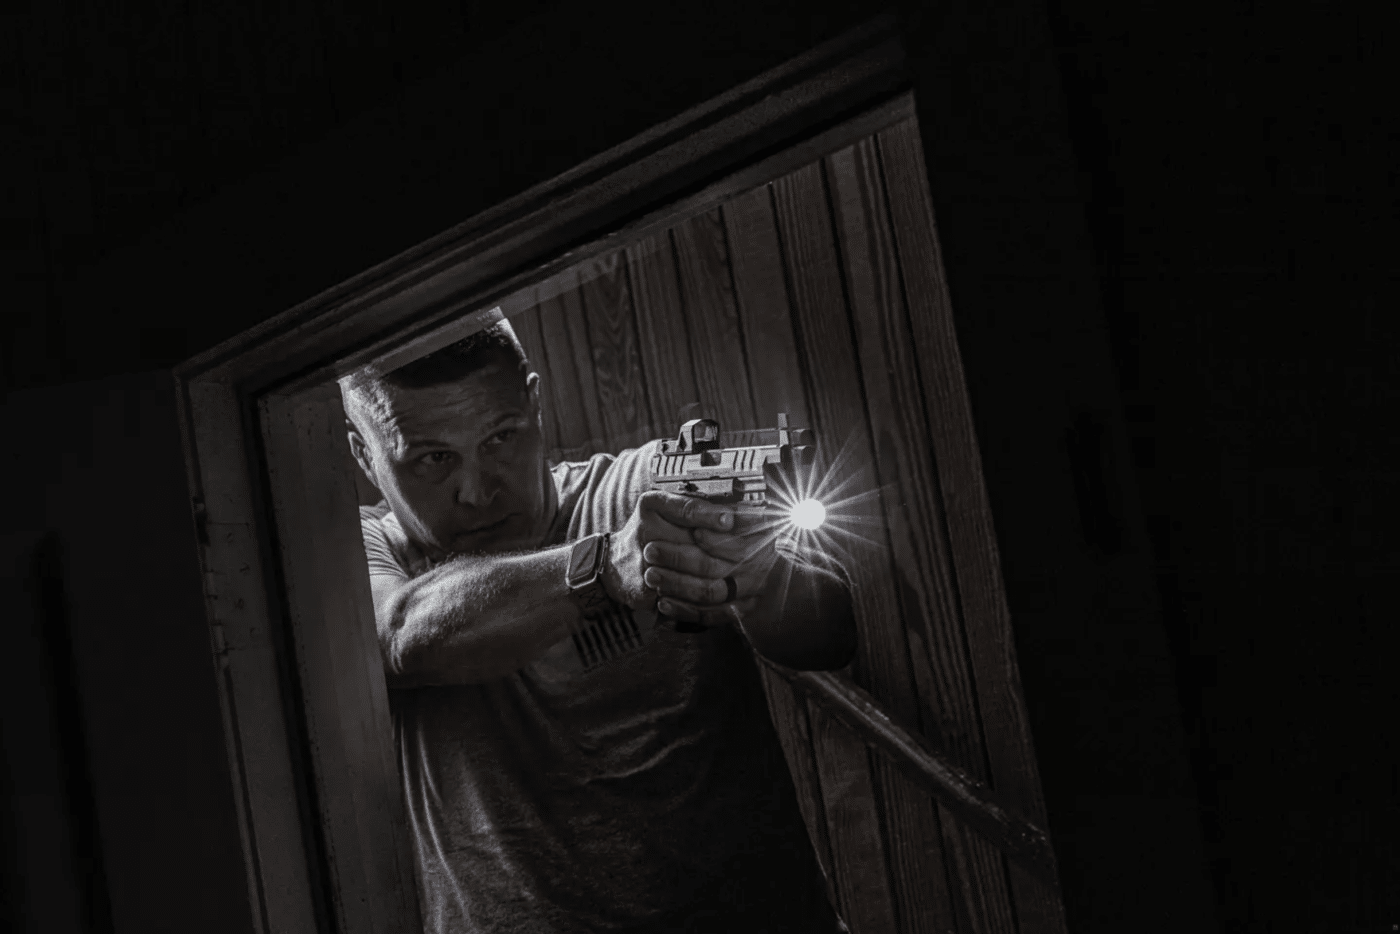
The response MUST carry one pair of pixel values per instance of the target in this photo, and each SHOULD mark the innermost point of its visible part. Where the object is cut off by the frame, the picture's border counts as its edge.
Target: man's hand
(693, 576)
(672, 570)
(794, 612)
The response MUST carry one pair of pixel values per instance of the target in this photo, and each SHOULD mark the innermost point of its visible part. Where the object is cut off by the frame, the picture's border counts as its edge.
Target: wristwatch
(587, 562)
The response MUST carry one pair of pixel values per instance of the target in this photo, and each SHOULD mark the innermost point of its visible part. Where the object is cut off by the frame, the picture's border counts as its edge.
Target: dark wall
(119, 813)
(1241, 176)
(1166, 236)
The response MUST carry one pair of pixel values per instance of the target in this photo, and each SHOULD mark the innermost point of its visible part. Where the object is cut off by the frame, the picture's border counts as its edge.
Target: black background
(1225, 173)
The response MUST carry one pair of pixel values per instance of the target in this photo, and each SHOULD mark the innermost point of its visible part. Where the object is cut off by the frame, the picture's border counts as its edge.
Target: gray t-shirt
(630, 782)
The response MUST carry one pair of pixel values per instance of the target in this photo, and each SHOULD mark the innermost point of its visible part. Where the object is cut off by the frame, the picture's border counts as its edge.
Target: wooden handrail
(965, 797)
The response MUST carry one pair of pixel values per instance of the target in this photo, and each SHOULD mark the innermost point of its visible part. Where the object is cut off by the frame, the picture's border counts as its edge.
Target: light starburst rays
(854, 515)
(851, 505)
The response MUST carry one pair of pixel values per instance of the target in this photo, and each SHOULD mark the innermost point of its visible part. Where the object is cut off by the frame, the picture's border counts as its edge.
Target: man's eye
(500, 437)
(436, 458)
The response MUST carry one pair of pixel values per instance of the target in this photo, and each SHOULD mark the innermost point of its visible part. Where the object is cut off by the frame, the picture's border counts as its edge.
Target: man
(568, 765)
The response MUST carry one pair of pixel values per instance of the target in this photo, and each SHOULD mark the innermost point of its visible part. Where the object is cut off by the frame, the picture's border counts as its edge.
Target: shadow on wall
(54, 874)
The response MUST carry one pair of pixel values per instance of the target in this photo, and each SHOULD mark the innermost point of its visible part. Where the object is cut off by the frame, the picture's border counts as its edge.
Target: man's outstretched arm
(472, 620)
(479, 618)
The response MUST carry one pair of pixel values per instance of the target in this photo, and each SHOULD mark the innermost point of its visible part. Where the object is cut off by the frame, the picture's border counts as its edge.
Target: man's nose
(477, 487)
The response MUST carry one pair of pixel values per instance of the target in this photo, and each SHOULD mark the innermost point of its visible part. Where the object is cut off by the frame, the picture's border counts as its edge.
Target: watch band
(587, 561)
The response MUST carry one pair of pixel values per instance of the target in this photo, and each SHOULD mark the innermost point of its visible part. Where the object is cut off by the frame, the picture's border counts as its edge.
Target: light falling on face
(461, 464)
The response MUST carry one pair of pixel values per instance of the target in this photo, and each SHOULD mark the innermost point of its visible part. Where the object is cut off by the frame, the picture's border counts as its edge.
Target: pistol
(753, 479)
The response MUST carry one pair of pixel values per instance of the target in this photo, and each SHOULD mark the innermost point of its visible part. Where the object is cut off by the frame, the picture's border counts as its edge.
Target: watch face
(583, 561)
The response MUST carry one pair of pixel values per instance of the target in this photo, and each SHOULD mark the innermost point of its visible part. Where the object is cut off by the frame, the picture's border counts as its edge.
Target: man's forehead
(466, 403)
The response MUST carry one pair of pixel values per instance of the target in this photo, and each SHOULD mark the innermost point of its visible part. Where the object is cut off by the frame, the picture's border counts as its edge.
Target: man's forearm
(478, 619)
(804, 619)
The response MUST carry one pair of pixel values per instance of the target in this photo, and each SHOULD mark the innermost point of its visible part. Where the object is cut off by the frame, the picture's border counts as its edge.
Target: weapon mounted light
(808, 514)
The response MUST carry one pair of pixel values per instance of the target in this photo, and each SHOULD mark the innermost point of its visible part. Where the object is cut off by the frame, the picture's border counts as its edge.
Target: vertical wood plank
(1010, 751)
(788, 709)
(569, 385)
(251, 692)
(853, 823)
(345, 699)
(617, 369)
(765, 318)
(838, 410)
(715, 348)
(817, 296)
(662, 340)
(919, 552)
(777, 374)
(717, 344)
(527, 328)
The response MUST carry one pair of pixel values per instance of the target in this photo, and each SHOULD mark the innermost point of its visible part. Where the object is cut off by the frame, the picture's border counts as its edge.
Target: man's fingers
(688, 511)
(686, 587)
(730, 547)
(686, 558)
(750, 523)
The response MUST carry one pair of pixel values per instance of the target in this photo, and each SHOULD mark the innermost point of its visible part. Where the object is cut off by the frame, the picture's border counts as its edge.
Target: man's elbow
(403, 649)
(402, 667)
(415, 658)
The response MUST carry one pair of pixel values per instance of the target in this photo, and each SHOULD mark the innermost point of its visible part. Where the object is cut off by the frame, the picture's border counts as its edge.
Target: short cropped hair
(456, 361)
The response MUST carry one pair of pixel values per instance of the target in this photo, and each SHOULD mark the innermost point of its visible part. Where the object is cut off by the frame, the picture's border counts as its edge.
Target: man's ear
(360, 451)
(532, 390)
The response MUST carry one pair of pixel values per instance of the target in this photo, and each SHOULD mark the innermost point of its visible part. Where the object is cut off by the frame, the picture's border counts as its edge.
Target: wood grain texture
(662, 341)
(913, 514)
(863, 880)
(919, 552)
(788, 710)
(969, 800)
(251, 689)
(844, 783)
(838, 411)
(765, 317)
(824, 330)
(490, 247)
(527, 329)
(612, 336)
(569, 385)
(791, 298)
(345, 700)
(916, 858)
(712, 320)
(991, 646)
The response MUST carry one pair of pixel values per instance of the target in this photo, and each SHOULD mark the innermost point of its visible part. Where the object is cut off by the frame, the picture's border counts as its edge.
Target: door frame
(321, 815)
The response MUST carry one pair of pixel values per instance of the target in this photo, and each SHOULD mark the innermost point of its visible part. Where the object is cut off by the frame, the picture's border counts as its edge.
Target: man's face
(461, 464)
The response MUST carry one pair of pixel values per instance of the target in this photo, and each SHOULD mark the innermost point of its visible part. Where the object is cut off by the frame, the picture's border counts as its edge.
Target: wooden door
(820, 294)
(754, 255)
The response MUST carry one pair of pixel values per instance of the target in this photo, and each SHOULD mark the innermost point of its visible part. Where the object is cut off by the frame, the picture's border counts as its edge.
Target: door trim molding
(253, 407)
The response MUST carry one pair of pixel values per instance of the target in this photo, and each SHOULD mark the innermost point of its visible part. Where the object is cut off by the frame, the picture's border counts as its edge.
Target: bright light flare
(808, 514)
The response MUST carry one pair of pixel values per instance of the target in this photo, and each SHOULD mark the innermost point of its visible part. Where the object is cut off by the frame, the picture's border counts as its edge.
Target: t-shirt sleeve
(379, 553)
(601, 493)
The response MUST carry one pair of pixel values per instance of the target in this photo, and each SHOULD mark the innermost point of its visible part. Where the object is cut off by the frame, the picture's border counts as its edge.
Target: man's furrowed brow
(408, 440)
(511, 414)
